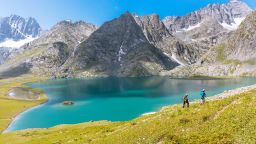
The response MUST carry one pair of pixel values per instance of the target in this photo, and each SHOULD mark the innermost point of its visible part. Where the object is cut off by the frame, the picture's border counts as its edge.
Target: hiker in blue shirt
(203, 96)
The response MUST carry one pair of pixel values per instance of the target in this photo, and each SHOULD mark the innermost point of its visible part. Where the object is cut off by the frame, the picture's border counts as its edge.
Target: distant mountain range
(17, 28)
(133, 45)
(16, 31)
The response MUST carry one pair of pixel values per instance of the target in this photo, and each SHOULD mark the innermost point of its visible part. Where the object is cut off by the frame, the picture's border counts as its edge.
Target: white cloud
(16, 44)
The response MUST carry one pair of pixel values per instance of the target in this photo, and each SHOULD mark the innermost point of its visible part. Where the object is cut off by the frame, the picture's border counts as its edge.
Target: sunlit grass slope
(231, 120)
(9, 108)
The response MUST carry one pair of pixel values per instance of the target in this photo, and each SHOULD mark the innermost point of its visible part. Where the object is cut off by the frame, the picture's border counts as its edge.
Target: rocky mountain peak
(64, 22)
(229, 15)
(209, 25)
(153, 28)
(71, 23)
(127, 16)
(239, 8)
(127, 13)
(121, 47)
(17, 28)
(78, 29)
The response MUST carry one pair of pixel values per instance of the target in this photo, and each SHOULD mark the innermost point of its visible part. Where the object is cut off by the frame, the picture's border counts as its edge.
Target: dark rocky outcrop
(120, 47)
(68, 103)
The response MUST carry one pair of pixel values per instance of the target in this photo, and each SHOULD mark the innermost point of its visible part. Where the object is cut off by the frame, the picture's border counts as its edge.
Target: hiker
(203, 96)
(185, 101)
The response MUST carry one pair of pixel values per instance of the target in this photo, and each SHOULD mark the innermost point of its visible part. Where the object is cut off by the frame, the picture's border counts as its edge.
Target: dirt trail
(224, 108)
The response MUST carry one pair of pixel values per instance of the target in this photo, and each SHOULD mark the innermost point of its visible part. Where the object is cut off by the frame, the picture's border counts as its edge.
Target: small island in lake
(68, 103)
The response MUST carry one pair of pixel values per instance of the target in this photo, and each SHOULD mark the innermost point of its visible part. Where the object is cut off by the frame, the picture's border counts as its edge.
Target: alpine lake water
(114, 99)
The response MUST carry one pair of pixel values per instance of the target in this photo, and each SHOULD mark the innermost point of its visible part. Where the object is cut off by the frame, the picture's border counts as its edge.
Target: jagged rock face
(16, 28)
(120, 47)
(242, 44)
(239, 48)
(223, 13)
(132, 46)
(182, 53)
(67, 32)
(158, 35)
(4, 54)
(209, 25)
(59, 43)
(209, 33)
(153, 29)
(235, 57)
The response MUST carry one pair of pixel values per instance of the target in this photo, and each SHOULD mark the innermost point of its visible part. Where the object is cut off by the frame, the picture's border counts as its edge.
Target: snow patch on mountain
(192, 27)
(121, 52)
(175, 58)
(233, 26)
(10, 43)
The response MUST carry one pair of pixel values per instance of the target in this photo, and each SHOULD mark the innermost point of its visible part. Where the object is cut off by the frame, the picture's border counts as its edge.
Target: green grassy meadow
(9, 107)
(230, 120)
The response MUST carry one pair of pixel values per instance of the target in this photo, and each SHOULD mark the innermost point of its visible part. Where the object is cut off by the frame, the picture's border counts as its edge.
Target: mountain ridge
(51, 49)
(110, 47)
(129, 45)
(217, 20)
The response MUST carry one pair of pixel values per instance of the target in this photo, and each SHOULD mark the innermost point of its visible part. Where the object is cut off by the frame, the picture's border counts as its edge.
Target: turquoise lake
(113, 99)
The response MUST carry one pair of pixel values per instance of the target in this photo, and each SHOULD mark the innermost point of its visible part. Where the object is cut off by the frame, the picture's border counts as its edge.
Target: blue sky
(49, 12)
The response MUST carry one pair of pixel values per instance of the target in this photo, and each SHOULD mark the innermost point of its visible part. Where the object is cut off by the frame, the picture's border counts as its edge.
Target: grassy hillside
(9, 108)
(230, 120)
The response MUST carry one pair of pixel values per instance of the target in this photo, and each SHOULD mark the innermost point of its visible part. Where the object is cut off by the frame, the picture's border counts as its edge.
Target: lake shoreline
(219, 96)
(16, 106)
(45, 100)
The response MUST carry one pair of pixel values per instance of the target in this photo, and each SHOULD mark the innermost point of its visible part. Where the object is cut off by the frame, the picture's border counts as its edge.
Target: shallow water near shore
(114, 99)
